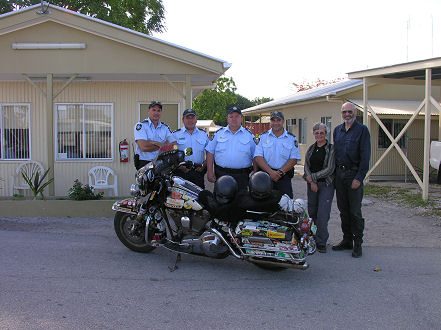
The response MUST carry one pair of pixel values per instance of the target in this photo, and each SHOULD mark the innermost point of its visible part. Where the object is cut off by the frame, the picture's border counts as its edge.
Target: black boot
(357, 252)
(343, 245)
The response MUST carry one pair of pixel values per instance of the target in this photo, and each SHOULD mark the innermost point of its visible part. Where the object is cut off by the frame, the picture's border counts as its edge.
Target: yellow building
(393, 103)
(72, 87)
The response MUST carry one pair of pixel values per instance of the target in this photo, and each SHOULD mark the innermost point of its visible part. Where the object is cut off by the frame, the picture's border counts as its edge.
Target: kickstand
(175, 266)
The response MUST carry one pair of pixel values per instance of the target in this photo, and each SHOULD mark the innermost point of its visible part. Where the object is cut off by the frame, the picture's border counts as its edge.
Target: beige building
(72, 87)
(394, 104)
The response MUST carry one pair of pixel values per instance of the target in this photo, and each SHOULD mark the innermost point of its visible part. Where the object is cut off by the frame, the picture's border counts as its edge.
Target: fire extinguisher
(124, 151)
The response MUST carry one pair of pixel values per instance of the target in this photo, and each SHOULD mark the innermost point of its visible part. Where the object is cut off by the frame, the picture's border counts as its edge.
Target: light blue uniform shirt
(232, 150)
(277, 150)
(197, 141)
(145, 130)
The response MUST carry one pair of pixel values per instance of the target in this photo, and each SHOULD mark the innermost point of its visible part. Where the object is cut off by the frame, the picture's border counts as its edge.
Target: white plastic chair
(99, 178)
(29, 167)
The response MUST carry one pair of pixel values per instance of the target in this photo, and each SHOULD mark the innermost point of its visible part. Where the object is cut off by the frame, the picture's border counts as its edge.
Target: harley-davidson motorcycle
(168, 211)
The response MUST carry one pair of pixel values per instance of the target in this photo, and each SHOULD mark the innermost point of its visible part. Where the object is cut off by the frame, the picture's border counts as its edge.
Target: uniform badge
(296, 143)
(138, 127)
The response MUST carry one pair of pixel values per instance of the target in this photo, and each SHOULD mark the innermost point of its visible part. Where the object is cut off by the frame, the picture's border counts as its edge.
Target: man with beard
(352, 156)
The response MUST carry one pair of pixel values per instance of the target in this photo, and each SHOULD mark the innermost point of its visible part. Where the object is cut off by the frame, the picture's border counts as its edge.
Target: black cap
(234, 109)
(155, 103)
(189, 112)
(277, 114)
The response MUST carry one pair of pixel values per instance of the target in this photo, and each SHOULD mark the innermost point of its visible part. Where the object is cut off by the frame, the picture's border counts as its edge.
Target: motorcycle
(168, 211)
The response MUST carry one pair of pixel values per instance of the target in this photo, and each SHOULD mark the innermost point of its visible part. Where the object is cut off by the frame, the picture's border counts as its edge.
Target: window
(394, 126)
(302, 131)
(84, 131)
(289, 125)
(327, 122)
(15, 131)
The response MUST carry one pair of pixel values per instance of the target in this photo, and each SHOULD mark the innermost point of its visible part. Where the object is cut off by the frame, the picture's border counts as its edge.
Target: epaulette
(291, 134)
(220, 129)
(166, 126)
(249, 131)
(266, 132)
(145, 120)
(176, 130)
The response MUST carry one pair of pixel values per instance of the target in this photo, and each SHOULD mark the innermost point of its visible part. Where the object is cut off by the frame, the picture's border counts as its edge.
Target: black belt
(246, 170)
(347, 167)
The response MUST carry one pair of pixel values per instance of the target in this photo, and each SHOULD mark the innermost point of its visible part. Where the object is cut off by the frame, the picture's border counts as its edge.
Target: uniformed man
(190, 136)
(231, 151)
(277, 153)
(150, 135)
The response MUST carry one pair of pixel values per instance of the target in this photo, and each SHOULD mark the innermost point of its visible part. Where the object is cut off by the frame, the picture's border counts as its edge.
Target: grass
(408, 197)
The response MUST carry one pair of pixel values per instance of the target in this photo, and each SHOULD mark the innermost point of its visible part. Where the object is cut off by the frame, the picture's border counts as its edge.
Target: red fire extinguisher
(124, 151)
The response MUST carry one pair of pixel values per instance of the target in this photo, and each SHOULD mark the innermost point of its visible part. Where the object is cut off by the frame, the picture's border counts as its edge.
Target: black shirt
(317, 159)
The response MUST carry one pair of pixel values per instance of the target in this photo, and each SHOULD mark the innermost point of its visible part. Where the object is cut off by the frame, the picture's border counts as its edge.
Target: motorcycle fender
(127, 205)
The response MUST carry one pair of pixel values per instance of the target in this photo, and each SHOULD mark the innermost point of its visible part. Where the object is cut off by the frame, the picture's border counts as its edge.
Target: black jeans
(193, 176)
(241, 178)
(349, 205)
(284, 185)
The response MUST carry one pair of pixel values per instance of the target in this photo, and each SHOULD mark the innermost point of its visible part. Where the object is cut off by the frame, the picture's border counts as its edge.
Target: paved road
(75, 274)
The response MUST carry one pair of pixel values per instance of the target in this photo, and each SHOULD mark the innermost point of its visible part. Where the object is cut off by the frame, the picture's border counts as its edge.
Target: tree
(144, 16)
(213, 103)
(260, 100)
(305, 85)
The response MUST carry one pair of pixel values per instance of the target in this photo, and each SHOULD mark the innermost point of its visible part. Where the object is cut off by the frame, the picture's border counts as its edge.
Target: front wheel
(131, 233)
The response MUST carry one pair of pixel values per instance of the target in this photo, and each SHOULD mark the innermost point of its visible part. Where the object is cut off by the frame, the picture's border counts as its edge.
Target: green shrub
(35, 182)
(81, 192)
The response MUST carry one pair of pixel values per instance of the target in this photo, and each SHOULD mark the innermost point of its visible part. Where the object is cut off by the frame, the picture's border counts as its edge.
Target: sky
(272, 44)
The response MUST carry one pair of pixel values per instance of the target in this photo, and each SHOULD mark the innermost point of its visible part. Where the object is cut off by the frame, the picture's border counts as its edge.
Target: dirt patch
(388, 222)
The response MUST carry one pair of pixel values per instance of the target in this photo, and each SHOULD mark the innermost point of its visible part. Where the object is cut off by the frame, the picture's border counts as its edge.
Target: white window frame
(302, 123)
(83, 104)
(328, 122)
(28, 105)
(402, 142)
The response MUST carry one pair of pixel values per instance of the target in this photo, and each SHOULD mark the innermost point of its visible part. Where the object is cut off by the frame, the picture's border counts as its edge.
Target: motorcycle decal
(273, 234)
(174, 203)
(192, 204)
(176, 195)
(247, 232)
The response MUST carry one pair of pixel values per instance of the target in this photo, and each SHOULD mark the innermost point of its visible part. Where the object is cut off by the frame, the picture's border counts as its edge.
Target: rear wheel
(131, 233)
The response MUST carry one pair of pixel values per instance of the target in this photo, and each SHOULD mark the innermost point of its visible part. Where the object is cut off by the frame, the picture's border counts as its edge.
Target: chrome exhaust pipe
(302, 266)
(218, 234)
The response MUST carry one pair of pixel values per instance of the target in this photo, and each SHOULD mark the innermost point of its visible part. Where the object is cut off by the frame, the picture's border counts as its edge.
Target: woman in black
(319, 175)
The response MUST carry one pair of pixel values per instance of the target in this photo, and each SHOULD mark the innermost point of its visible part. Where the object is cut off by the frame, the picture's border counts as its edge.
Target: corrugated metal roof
(394, 107)
(308, 95)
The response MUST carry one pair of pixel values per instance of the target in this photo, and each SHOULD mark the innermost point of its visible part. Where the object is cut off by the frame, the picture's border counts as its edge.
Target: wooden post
(427, 106)
(50, 130)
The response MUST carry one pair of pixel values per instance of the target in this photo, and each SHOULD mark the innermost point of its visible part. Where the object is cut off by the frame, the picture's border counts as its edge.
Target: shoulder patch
(138, 126)
(296, 143)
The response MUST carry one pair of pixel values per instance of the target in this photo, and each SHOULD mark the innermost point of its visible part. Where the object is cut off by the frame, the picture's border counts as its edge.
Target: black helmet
(225, 189)
(260, 185)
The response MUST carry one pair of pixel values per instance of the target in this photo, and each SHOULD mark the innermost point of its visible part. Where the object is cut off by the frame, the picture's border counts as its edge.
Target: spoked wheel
(131, 233)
